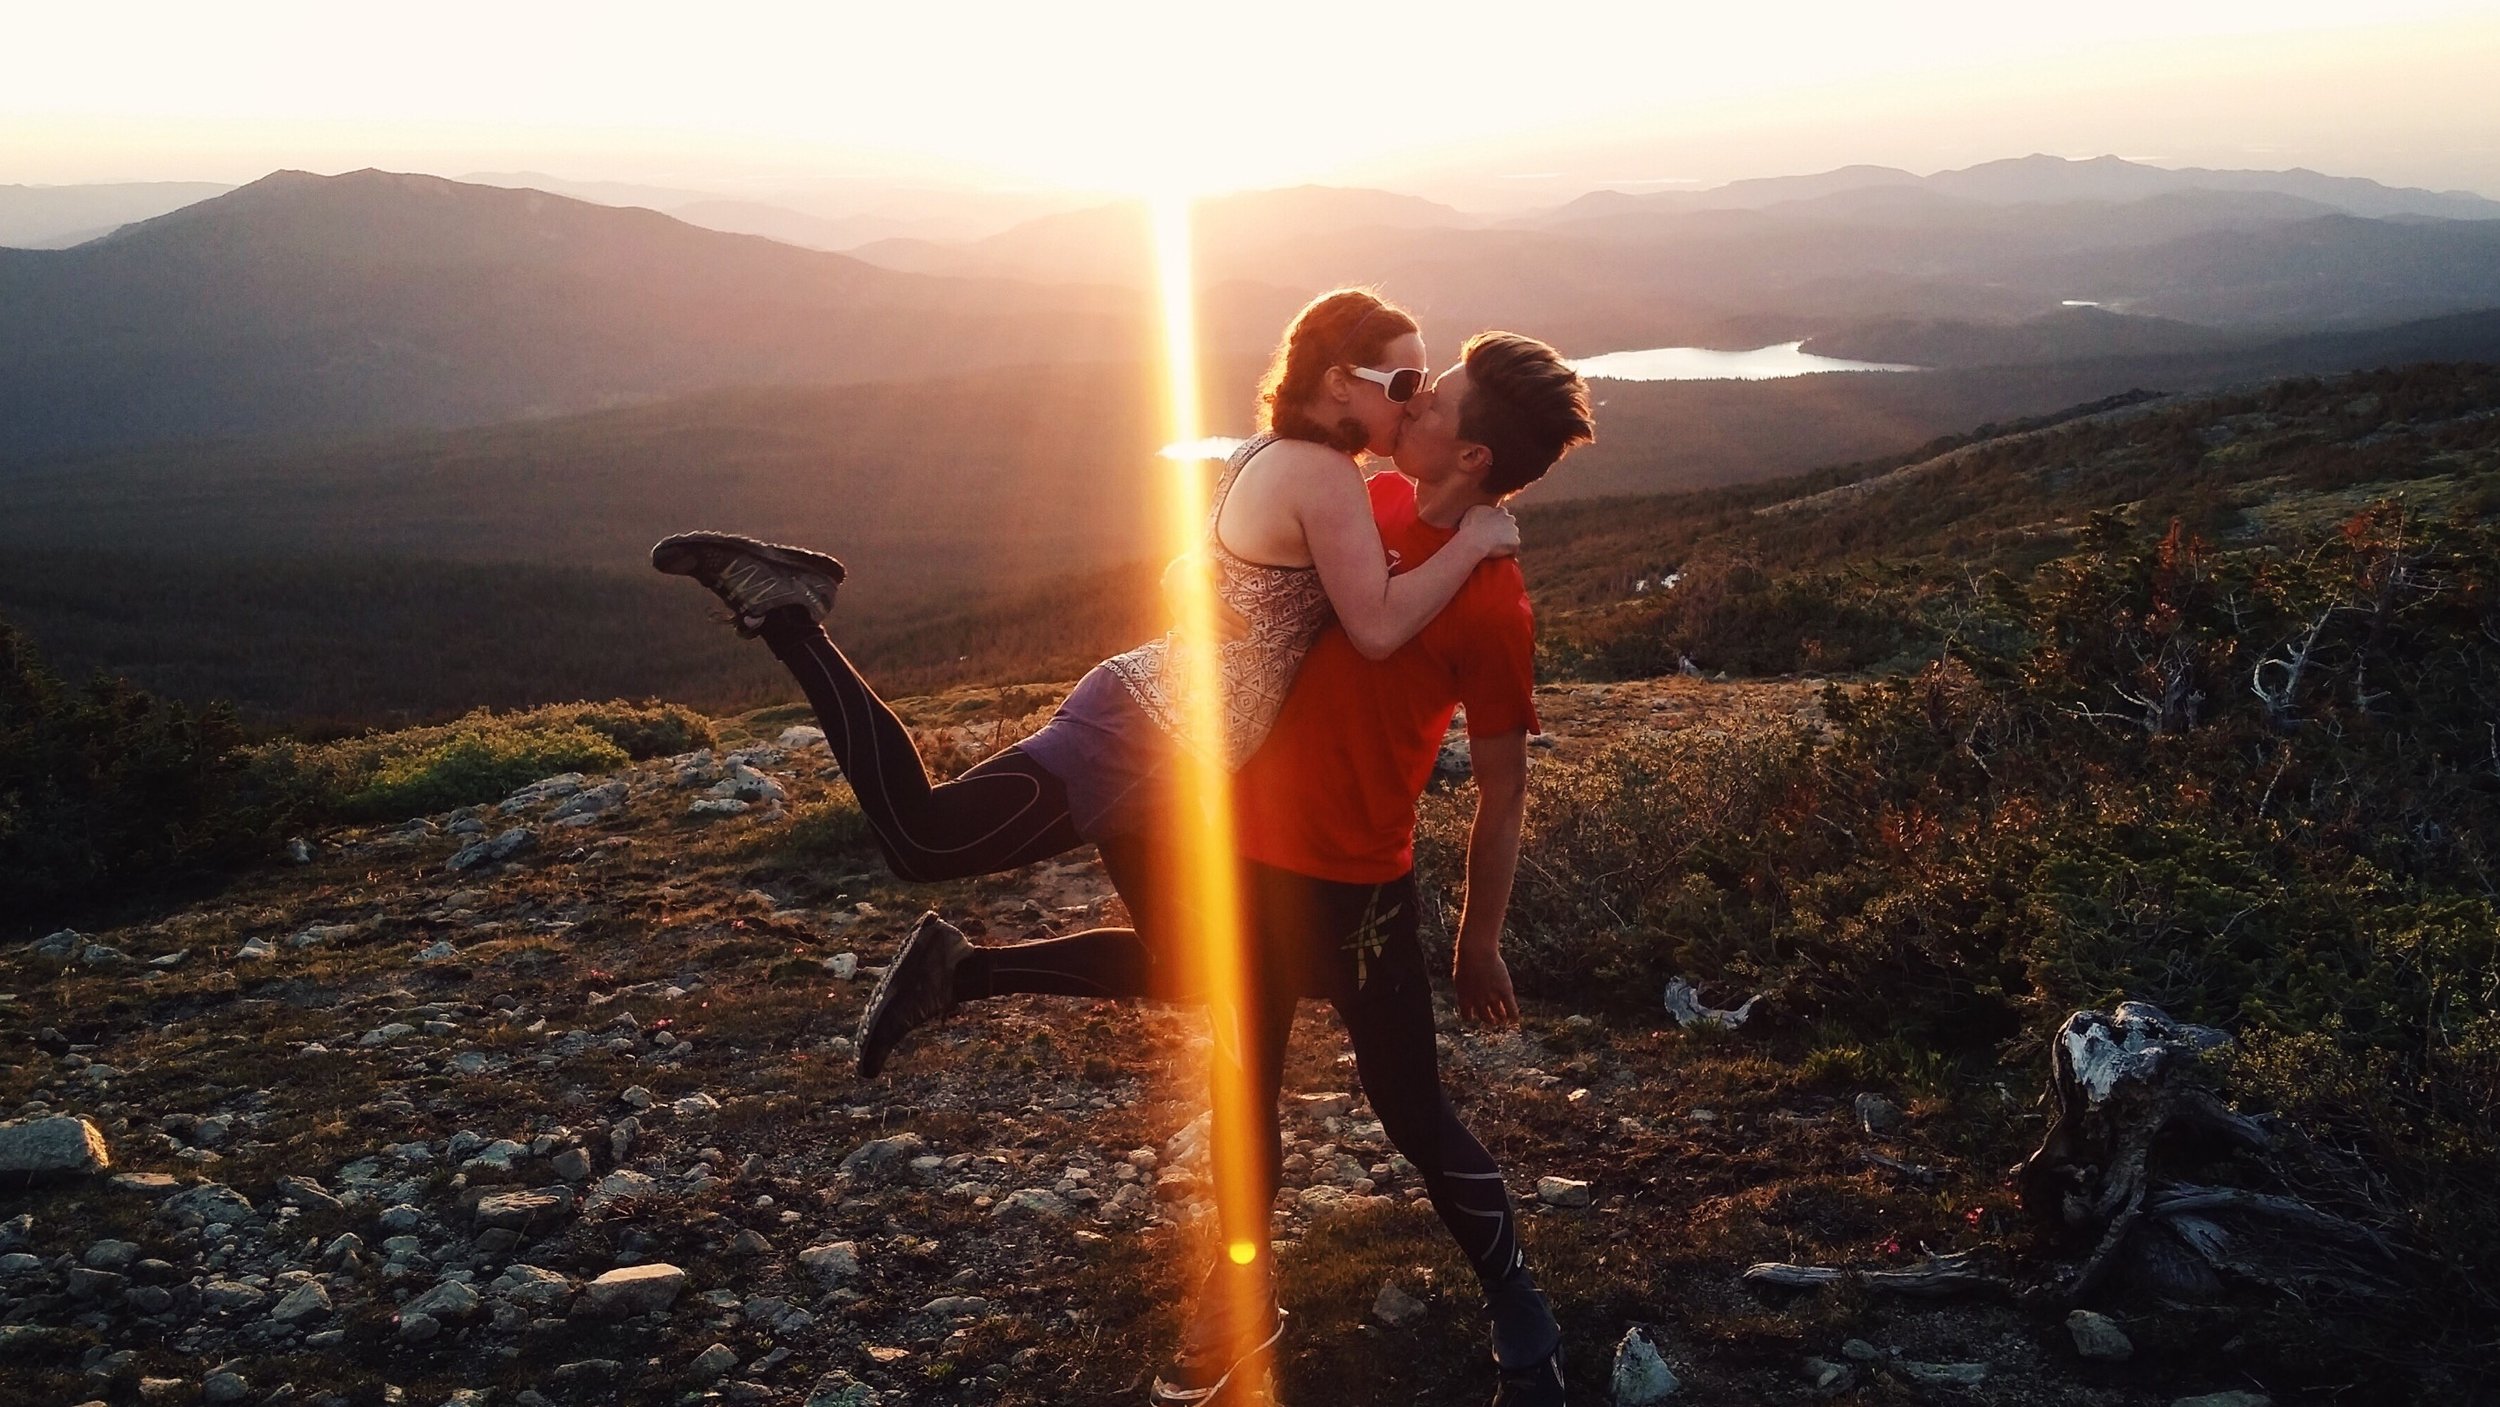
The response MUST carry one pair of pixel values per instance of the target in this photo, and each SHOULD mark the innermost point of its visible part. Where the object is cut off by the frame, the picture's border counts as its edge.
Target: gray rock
(695, 1106)
(542, 791)
(60, 946)
(90, 1284)
(102, 955)
(1945, 1374)
(55, 1147)
(233, 1296)
(1641, 1372)
(843, 966)
(206, 1205)
(1031, 1201)
(573, 1165)
(308, 1194)
(1859, 1351)
(2098, 1337)
(386, 1033)
(500, 1156)
(525, 1211)
(744, 783)
(1562, 1192)
(401, 1218)
(1877, 1115)
(418, 1328)
(535, 1288)
(111, 1255)
(222, 1387)
(19, 1263)
(881, 1158)
(305, 1302)
(840, 1389)
(440, 950)
(831, 1263)
(1396, 1308)
(490, 852)
(148, 1299)
(2233, 1398)
(1829, 1378)
(449, 1299)
(631, 1290)
(146, 1184)
(622, 1183)
(590, 803)
(255, 950)
(800, 735)
(298, 850)
(716, 806)
(712, 1362)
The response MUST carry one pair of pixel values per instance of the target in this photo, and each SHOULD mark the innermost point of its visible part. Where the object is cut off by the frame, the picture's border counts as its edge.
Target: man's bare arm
(1482, 978)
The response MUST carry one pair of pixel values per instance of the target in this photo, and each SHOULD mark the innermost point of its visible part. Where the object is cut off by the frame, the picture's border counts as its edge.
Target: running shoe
(752, 577)
(918, 987)
(1527, 1343)
(1213, 1359)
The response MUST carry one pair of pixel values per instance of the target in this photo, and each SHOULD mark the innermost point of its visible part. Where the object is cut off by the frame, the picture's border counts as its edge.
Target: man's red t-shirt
(1331, 793)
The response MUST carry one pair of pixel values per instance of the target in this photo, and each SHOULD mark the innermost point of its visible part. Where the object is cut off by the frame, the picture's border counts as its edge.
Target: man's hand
(1483, 982)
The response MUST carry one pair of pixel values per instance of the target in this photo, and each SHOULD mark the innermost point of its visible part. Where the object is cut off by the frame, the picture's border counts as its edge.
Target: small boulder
(1641, 1372)
(1396, 1308)
(1562, 1192)
(2098, 1337)
(881, 1158)
(630, 1290)
(1878, 1115)
(831, 1263)
(306, 1301)
(449, 1299)
(526, 1212)
(56, 1147)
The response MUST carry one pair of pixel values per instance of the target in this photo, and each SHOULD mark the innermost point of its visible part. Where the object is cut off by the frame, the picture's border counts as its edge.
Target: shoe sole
(678, 553)
(913, 947)
(1165, 1395)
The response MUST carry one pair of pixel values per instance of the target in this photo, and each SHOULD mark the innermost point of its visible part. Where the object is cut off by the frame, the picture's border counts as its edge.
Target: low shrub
(477, 758)
(106, 789)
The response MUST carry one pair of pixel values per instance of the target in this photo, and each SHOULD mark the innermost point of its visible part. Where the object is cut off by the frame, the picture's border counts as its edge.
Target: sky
(1491, 100)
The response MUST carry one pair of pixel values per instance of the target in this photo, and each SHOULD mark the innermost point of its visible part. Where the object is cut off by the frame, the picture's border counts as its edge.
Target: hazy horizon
(1619, 97)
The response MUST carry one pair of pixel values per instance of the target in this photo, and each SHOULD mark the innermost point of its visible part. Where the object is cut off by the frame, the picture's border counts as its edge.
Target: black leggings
(1006, 812)
(1355, 945)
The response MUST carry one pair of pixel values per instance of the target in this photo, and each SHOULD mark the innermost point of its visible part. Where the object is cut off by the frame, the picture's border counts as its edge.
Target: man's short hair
(1525, 404)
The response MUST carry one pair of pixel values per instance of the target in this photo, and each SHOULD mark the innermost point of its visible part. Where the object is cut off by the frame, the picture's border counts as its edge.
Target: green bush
(2258, 787)
(105, 789)
(477, 758)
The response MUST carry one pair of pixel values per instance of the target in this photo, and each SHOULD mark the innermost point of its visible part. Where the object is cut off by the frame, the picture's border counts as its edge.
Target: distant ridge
(53, 217)
(2045, 179)
(306, 304)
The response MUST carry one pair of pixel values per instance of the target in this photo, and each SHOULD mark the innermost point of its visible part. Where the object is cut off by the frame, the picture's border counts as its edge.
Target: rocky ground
(551, 1101)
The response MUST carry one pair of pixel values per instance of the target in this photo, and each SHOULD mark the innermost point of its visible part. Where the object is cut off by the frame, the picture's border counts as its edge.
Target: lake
(1708, 364)
(1654, 364)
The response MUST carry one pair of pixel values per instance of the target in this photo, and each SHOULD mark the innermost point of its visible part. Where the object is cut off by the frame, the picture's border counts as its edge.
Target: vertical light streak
(1218, 950)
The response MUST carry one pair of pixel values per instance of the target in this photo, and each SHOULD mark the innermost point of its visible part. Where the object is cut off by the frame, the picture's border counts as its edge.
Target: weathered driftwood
(1940, 1277)
(2131, 1125)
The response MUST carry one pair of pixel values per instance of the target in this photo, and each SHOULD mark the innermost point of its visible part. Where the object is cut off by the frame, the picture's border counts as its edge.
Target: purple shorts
(1113, 759)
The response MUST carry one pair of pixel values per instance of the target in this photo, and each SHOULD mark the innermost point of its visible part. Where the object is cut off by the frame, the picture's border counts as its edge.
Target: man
(1326, 828)
(1327, 817)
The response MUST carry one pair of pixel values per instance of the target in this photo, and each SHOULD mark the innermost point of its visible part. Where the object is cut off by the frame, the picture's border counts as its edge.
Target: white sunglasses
(1399, 386)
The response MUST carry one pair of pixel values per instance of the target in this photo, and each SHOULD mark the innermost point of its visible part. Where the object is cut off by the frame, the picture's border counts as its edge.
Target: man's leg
(1007, 812)
(1386, 1003)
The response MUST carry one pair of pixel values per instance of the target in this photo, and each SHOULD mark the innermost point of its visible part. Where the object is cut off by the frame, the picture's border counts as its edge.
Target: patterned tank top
(1284, 607)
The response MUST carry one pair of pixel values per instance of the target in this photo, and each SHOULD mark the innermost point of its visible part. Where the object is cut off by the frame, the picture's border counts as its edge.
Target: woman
(1291, 540)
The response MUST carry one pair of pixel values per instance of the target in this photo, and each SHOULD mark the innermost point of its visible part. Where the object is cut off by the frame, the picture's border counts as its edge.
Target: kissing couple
(1365, 612)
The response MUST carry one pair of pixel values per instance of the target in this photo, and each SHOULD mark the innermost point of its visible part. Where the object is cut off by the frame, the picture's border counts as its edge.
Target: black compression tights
(1307, 935)
(1004, 813)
